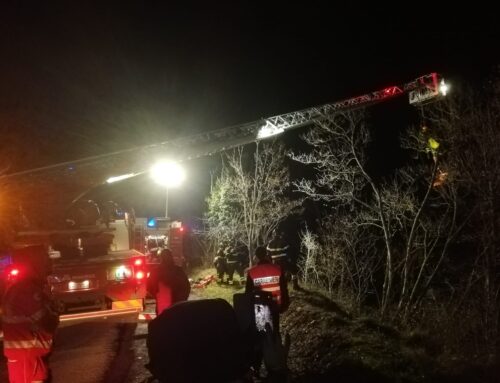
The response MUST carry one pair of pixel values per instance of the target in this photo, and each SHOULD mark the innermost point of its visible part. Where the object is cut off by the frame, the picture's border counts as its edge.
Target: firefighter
(109, 213)
(220, 264)
(431, 143)
(433, 147)
(242, 255)
(234, 264)
(168, 283)
(28, 321)
(270, 278)
(279, 251)
(267, 284)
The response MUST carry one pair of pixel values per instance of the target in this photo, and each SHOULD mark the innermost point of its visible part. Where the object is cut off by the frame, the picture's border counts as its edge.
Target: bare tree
(394, 211)
(339, 145)
(470, 121)
(428, 215)
(254, 195)
(338, 259)
(309, 263)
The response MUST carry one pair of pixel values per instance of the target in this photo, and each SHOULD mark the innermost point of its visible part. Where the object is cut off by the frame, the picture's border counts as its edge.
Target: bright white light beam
(169, 174)
(110, 180)
(444, 88)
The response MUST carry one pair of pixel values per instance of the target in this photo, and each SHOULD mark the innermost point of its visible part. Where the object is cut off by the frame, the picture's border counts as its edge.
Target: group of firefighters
(229, 260)
(241, 338)
(29, 321)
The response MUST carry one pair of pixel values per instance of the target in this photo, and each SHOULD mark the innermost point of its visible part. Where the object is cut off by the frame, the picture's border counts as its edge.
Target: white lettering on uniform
(266, 280)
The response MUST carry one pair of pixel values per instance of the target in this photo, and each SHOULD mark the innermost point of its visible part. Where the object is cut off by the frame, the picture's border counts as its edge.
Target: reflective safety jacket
(269, 277)
(277, 249)
(28, 322)
(220, 263)
(231, 255)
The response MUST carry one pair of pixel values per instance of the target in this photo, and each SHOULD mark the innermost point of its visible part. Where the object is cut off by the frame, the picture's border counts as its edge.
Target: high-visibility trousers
(28, 368)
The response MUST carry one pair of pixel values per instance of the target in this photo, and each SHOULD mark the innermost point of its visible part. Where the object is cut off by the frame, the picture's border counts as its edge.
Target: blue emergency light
(151, 222)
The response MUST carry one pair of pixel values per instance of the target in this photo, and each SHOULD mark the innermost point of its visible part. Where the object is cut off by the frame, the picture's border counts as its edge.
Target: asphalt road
(91, 352)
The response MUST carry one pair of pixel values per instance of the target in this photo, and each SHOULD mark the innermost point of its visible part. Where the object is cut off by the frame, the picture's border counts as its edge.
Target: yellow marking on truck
(133, 303)
(104, 314)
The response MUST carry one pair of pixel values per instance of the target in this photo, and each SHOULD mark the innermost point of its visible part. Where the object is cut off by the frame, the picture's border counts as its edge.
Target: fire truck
(155, 233)
(104, 267)
(162, 232)
(95, 271)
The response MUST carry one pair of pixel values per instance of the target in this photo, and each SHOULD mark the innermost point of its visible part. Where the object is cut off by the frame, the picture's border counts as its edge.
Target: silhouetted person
(28, 321)
(168, 283)
(267, 285)
(197, 341)
(279, 251)
(220, 264)
(201, 341)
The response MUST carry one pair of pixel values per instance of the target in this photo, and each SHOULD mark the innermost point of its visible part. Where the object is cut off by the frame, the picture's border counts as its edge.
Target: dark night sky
(81, 80)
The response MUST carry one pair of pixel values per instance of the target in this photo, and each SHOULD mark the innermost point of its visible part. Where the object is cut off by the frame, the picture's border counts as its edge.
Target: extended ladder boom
(422, 89)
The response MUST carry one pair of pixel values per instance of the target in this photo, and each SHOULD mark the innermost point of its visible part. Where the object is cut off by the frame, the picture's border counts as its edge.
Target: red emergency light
(139, 275)
(181, 228)
(138, 262)
(14, 272)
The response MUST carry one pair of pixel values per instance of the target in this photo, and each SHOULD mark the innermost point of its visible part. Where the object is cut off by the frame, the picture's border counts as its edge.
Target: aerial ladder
(130, 162)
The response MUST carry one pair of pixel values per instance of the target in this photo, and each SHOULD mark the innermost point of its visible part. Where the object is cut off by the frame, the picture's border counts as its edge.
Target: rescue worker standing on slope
(28, 321)
(267, 284)
(266, 277)
(233, 264)
(220, 264)
(279, 251)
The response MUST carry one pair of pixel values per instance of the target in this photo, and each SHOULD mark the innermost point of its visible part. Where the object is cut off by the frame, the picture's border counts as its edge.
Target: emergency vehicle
(160, 232)
(95, 270)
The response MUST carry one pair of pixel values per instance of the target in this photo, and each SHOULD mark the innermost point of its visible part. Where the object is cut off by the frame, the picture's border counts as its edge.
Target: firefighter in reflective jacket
(220, 264)
(234, 264)
(279, 251)
(28, 324)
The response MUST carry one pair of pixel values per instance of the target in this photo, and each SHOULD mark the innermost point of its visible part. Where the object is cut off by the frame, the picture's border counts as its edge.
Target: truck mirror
(54, 254)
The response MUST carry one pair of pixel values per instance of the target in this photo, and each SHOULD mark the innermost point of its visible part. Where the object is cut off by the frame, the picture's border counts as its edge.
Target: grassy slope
(330, 345)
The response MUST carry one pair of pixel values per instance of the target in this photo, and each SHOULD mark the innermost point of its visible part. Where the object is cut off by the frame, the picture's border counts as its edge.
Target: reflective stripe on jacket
(28, 324)
(277, 248)
(28, 344)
